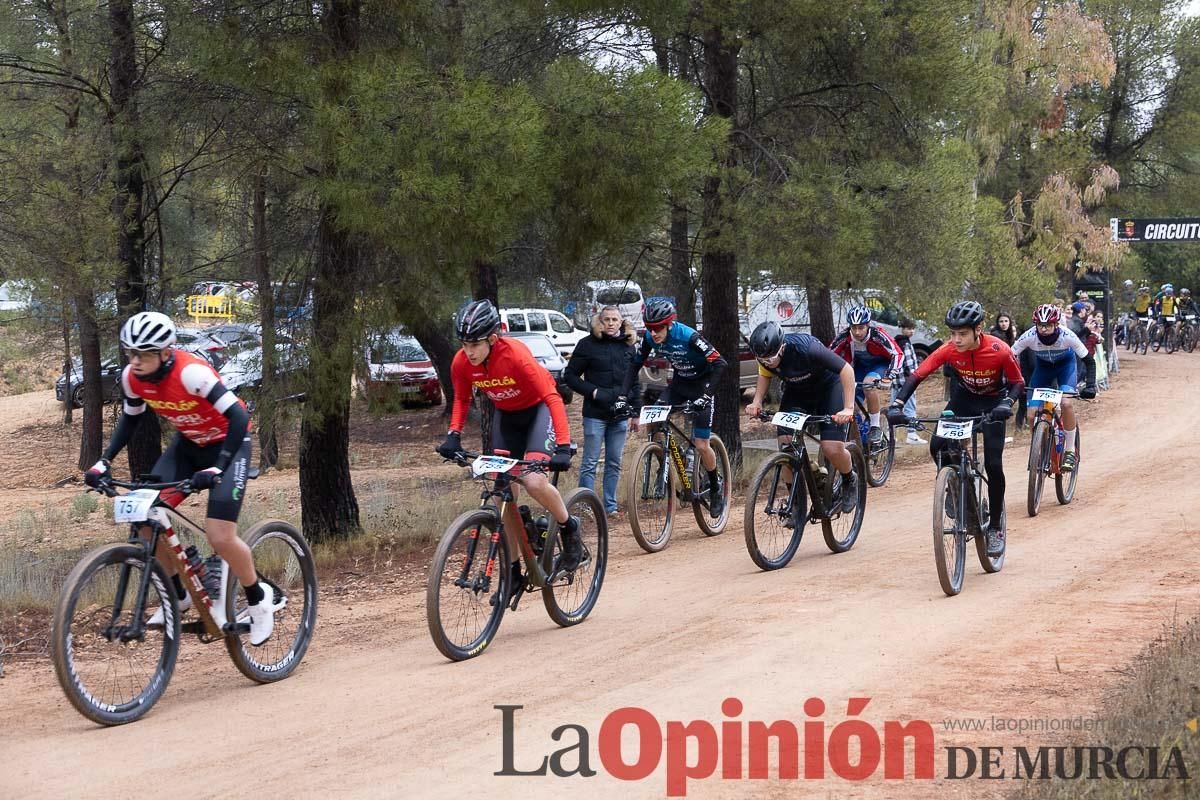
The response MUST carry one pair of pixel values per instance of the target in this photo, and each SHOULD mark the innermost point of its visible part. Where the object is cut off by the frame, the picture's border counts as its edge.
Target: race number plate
(957, 431)
(1168, 319)
(789, 419)
(135, 506)
(652, 414)
(486, 464)
(1047, 396)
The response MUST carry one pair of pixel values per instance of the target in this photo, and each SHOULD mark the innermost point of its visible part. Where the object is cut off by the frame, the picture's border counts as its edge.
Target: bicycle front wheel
(1039, 455)
(880, 457)
(651, 500)
(1064, 483)
(572, 596)
(949, 532)
(710, 525)
(841, 529)
(284, 561)
(467, 590)
(776, 512)
(1143, 340)
(110, 678)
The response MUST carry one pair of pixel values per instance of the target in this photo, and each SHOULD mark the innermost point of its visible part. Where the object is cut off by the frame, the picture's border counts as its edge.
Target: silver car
(548, 356)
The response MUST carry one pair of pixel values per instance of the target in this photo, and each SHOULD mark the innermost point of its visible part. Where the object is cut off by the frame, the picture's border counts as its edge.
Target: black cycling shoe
(849, 493)
(716, 499)
(572, 553)
(516, 584)
(995, 542)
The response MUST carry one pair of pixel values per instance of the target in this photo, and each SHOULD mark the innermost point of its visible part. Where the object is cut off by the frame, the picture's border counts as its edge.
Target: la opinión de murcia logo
(853, 749)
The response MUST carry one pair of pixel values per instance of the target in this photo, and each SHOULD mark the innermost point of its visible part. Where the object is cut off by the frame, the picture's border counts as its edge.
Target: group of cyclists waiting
(212, 445)
(1163, 308)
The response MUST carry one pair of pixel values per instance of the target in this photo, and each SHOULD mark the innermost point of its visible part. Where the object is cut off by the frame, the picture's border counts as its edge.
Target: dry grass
(1151, 708)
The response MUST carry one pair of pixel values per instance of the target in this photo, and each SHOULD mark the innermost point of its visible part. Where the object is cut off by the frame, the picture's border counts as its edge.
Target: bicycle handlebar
(766, 416)
(465, 457)
(108, 486)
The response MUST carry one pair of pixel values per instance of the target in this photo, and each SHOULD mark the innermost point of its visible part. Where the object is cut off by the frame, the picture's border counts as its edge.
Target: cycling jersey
(805, 363)
(191, 397)
(1142, 304)
(512, 379)
(986, 370)
(1166, 306)
(691, 357)
(877, 350)
(1066, 347)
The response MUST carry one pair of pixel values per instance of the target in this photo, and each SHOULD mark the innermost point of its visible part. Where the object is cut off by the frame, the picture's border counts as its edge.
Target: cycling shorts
(826, 400)
(183, 458)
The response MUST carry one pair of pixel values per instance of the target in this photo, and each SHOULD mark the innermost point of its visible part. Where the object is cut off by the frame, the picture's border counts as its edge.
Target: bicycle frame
(798, 450)
(1051, 414)
(672, 433)
(210, 626)
(968, 473)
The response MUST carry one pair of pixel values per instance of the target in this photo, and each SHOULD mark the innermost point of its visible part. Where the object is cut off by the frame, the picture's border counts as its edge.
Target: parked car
(625, 295)
(399, 370)
(548, 356)
(656, 373)
(546, 321)
(242, 371)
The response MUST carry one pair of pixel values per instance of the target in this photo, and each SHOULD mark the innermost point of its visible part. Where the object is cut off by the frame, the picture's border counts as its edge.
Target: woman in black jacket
(596, 371)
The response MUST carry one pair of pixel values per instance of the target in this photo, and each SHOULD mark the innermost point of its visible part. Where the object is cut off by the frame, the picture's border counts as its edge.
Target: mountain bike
(960, 501)
(1046, 446)
(468, 589)
(778, 506)
(1156, 335)
(879, 457)
(1188, 333)
(113, 666)
(1139, 336)
(666, 473)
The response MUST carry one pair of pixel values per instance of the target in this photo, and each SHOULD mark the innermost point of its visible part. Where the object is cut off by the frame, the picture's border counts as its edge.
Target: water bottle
(195, 563)
(527, 519)
(690, 459)
(1061, 441)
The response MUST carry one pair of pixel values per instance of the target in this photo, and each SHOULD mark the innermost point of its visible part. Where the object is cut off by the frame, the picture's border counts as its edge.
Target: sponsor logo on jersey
(492, 383)
(171, 405)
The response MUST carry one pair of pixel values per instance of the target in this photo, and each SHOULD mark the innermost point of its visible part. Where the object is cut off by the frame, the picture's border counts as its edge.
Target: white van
(625, 295)
(788, 305)
(549, 322)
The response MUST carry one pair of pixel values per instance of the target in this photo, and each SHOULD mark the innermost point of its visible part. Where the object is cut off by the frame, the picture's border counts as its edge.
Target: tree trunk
(329, 508)
(91, 441)
(720, 279)
(127, 205)
(68, 406)
(433, 339)
(268, 395)
(485, 285)
(820, 310)
(679, 277)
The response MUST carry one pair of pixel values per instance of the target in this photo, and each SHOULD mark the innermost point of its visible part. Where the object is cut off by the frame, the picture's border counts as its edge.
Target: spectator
(1004, 329)
(907, 367)
(596, 371)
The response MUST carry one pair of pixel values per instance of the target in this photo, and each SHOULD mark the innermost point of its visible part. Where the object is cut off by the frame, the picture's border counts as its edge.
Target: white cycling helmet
(148, 330)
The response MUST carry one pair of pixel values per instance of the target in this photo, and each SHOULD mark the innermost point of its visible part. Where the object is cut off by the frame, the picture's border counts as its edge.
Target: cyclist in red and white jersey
(530, 420)
(211, 447)
(989, 382)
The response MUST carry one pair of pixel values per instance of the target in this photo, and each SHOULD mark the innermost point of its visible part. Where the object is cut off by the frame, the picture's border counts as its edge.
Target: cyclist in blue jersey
(815, 381)
(696, 365)
(1055, 349)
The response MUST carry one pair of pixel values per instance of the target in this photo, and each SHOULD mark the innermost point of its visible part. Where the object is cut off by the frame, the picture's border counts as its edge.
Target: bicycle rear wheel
(110, 681)
(466, 594)
(1064, 483)
(949, 533)
(1143, 339)
(841, 530)
(651, 500)
(880, 457)
(1189, 338)
(709, 525)
(1039, 442)
(283, 560)
(572, 596)
(775, 514)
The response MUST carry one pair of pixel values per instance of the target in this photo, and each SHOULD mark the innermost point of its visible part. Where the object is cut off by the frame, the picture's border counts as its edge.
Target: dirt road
(376, 712)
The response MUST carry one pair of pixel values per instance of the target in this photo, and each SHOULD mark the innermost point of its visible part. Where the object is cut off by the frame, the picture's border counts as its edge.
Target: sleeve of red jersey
(460, 377)
(893, 351)
(935, 361)
(543, 383)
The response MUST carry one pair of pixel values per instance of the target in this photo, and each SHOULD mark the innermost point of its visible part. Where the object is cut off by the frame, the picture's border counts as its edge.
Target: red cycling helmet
(1046, 314)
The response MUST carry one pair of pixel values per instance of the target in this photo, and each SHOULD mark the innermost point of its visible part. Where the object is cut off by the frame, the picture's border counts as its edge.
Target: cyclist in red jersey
(530, 420)
(989, 382)
(211, 447)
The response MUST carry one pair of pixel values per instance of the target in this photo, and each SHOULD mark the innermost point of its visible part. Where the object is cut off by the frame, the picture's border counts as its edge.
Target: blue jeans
(612, 436)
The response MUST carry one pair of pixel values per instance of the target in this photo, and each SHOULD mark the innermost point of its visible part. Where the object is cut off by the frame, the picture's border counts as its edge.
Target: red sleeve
(935, 360)
(461, 379)
(841, 346)
(542, 384)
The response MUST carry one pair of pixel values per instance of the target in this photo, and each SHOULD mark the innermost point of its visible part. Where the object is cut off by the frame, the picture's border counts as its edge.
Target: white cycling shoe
(262, 615)
(159, 617)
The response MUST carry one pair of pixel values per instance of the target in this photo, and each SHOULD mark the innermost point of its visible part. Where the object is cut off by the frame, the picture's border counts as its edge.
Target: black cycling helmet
(659, 313)
(964, 314)
(766, 340)
(477, 321)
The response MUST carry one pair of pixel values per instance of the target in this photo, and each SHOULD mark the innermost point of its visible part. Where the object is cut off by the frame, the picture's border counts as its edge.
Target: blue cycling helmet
(858, 315)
